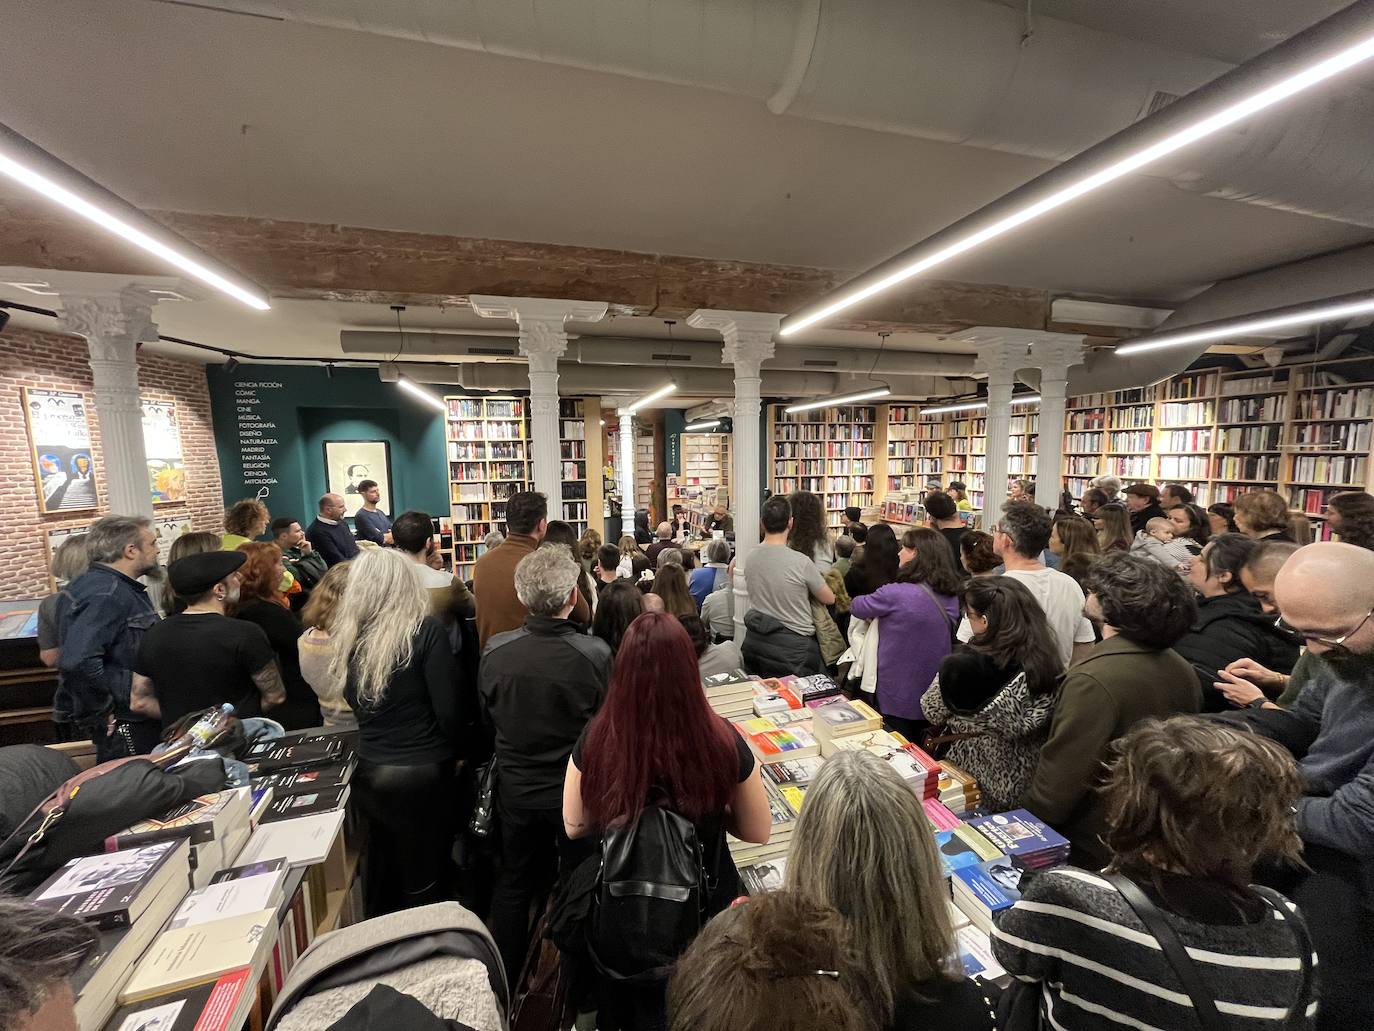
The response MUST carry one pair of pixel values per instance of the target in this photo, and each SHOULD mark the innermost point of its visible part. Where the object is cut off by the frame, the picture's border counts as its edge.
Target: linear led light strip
(54, 191)
(1265, 98)
(971, 406)
(842, 399)
(1325, 312)
(647, 399)
(420, 392)
(708, 424)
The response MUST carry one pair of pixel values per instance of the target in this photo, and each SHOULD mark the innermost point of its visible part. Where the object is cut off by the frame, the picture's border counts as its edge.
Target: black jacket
(539, 685)
(772, 650)
(1139, 519)
(1228, 628)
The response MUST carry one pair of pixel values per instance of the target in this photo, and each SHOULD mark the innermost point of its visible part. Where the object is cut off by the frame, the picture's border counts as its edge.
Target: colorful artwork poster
(348, 463)
(60, 442)
(54, 536)
(168, 530)
(162, 444)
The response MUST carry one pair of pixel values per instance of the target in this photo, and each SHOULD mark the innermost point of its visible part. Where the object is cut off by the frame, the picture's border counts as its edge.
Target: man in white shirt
(1018, 539)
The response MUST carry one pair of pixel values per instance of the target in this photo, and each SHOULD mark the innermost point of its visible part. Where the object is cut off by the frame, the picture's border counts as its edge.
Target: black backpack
(650, 897)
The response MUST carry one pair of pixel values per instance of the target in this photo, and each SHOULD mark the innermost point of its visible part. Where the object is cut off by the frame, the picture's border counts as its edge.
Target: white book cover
(301, 842)
(230, 898)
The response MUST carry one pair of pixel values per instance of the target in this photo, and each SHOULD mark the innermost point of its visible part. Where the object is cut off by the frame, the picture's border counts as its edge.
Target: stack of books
(836, 718)
(730, 694)
(303, 749)
(216, 826)
(772, 696)
(963, 847)
(986, 889)
(941, 819)
(1029, 842)
(784, 818)
(958, 792)
(815, 688)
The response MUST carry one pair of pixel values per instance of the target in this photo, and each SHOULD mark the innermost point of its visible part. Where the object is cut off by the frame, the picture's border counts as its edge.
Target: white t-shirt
(434, 578)
(1062, 599)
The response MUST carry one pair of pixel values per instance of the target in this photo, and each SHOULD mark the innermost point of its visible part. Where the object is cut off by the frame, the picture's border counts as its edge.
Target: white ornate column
(543, 339)
(625, 471)
(1053, 354)
(1000, 360)
(748, 343)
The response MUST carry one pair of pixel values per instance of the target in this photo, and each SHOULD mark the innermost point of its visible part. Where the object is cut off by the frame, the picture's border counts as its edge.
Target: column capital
(112, 324)
(543, 339)
(1005, 351)
(747, 335)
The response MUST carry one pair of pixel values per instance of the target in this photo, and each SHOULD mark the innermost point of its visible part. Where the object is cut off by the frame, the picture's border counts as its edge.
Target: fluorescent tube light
(706, 425)
(1313, 74)
(842, 399)
(1324, 311)
(421, 393)
(663, 391)
(972, 406)
(20, 159)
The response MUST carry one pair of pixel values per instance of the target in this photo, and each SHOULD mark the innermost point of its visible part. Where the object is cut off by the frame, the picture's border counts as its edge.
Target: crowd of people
(1184, 693)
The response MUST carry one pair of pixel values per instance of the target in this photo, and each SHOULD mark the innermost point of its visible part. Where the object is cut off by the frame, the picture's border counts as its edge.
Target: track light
(1338, 43)
(841, 399)
(973, 406)
(1287, 318)
(231, 364)
(662, 391)
(422, 394)
(706, 424)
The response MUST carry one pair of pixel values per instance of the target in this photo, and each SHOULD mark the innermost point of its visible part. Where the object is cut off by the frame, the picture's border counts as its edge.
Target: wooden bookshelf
(580, 461)
(966, 453)
(488, 461)
(704, 479)
(1328, 444)
(829, 452)
(915, 448)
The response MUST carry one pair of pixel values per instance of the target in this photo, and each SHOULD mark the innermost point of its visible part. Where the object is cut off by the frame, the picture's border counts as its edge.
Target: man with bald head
(1326, 594)
(329, 534)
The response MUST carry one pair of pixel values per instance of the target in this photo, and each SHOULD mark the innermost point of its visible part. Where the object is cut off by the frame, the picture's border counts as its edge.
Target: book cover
(778, 744)
(778, 809)
(1018, 833)
(970, 836)
(235, 873)
(300, 842)
(793, 796)
(760, 877)
(187, 956)
(289, 807)
(794, 772)
(270, 756)
(293, 782)
(734, 676)
(993, 884)
(199, 820)
(114, 888)
(816, 687)
(222, 1005)
(941, 819)
(229, 898)
(838, 713)
(955, 853)
(975, 950)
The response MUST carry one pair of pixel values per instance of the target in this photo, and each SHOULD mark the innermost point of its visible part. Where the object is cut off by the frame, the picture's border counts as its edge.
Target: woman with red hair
(656, 735)
(261, 601)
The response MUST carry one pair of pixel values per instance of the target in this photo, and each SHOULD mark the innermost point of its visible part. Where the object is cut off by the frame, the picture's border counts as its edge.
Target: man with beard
(1326, 594)
(200, 657)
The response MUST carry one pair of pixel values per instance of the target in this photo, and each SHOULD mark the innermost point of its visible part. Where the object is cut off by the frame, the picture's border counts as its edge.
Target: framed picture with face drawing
(348, 463)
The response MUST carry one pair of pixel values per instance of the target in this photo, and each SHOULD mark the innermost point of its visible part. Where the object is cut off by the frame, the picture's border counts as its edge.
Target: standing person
(1091, 501)
(1142, 505)
(976, 554)
(663, 540)
(781, 583)
(998, 693)
(398, 673)
(1230, 624)
(1134, 673)
(863, 846)
(262, 604)
(99, 636)
(1113, 529)
(808, 535)
(719, 519)
(1018, 540)
(197, 543)
(302, 562)
(1171, 788)
(1073, 540)
(329, 535)
(712, 576)
(621, 604)
(844, 554)
(244, 521)
(370, 523)
(1350, 514)
(670, 584)
(1174, 495)
(202, 658)
(643, 535)
(1157, 542)
(69, 561)
(539, 685)
(499, 607)
(1263, 515)
(1020, 491)
(1221, 518)
(1108, 485)
(958, 490)
(562, 533)
(607, 567)
(851, 517)
(878, 565)
(916, 617)
(685, 753)
(945, 518)
(315, 648)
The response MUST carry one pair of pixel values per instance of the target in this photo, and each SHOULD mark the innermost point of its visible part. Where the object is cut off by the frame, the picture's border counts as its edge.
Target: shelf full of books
(915, 448)
(488, 461)
(704, 479)
(829, 452)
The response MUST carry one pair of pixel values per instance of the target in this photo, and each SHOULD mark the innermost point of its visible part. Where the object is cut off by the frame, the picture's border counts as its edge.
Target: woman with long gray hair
(399, 678)
(864, 847)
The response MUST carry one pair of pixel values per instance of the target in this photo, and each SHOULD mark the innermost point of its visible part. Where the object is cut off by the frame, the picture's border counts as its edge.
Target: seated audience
(1157, 542)
(663, 540)
(1174, 495)
(1221, 517)
(718, 610)
(1190, 806)
(305, 566)
(539, 685)
(41, 953)
(492, 540)
(711, 658)
(944, 517)
(997, 694)
(1350, 514)
(878, 564)
(863, 846)
(916, 616)
(262, 604)
(976, 554)
(1142, 505)
(1110, 486)
(713, 575)
(779, 961)
(370, 523)
(671, 585)
(621, 603)
(670, 557)
(329, 534)
(1074, 542)
(1263, 515)
(642, 534)
(1230, 624)
(244, 521)
(316, 647)
(808, 534)
(398, 672)
(1133, 674)
(562, 533)
(587, 547)
(202, 658)
(1113, 529)
(781, 585)
(607, 567)
(1019, 539)
(686, 755)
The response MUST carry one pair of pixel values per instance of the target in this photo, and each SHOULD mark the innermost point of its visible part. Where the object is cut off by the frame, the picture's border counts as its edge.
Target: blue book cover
(955, 853)
(1018, 832)
(993, 884)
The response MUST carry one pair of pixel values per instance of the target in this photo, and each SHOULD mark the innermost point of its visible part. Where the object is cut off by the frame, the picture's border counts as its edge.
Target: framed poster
(60, 443)
(53, 536)
(162, 444)
(348, 462)
(168, 529)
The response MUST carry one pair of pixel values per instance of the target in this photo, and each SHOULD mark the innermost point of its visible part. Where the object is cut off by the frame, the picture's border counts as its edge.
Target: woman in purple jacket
(916, 617)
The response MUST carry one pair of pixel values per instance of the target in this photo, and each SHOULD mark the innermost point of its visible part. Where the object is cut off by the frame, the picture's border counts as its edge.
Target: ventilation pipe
(950, 70)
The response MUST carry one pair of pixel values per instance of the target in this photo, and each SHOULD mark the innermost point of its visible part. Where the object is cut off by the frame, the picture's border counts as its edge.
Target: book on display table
(114, 889)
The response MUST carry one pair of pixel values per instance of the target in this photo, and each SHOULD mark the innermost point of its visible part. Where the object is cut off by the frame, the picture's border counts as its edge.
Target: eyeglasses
(1325, 642)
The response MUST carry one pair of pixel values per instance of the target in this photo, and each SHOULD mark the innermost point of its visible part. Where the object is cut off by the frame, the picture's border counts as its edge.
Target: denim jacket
(100, 632)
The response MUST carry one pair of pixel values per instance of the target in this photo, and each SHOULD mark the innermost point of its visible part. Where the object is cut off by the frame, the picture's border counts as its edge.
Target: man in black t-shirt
(201, 657)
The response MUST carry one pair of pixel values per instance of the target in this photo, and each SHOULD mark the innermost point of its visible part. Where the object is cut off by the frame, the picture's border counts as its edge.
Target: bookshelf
(488, 461)
(573, 448)
(1328, 445)
(705, 461)
(915, 448)
(830, 452)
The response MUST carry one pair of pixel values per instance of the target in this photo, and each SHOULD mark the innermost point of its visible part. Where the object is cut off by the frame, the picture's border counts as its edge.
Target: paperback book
(184, 957)
(1030, 841)
(222, 1005)
(290, 807)
(114, 889)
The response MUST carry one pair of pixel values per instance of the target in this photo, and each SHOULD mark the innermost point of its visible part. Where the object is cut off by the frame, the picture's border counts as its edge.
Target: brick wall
(51, 360)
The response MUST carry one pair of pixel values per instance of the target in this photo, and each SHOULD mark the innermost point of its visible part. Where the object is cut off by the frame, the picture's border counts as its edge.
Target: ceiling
(188, 109)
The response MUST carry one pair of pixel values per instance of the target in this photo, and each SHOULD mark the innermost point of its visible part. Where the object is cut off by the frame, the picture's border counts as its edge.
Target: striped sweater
(1099, 968)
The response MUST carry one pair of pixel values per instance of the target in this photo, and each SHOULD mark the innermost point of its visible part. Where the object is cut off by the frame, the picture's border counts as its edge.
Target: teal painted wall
(271, 422)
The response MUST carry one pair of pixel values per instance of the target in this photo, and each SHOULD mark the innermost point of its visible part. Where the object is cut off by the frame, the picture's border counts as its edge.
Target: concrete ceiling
(182, 108)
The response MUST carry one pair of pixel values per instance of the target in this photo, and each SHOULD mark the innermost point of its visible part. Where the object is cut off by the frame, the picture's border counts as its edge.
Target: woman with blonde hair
(864, 847)
(261, 602)
(399, 678)
(316, 647)
(1113, 528)
(587, 546)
